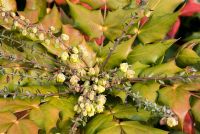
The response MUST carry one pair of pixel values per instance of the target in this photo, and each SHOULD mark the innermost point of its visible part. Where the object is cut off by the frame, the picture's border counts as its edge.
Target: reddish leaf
(143, 20)
(188, 126)
(190, 8)
(100, 40)
(174, 29)
(60, 2)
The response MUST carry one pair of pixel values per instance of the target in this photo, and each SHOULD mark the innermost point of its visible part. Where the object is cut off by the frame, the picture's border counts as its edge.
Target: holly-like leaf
(90, 22)
(160, 7)
(177, 97)
(24, 126)
(187, 57)
(147, 90)
(130, 112)
(6, 121)
(166, 69)
(77, 39)
(138, 68)
(195, 110)
(10, 125)
(34, 10)
(96, 122)
(114, 22)
(157, 28)
(149, 53)
(45, 116)
(121, 52)
(128, 127)
(66, 108)
(111, 4)
(17, 105)
(52, 19)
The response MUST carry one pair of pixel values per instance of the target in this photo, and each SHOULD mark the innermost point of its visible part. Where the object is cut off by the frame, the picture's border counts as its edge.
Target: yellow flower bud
(41, 36)
(52, 28)
(64, 37)
(171, 122)
(130, 74)
(91, 71)
(74, 58)
(101, 100)
(124, 67)
(34, 29)
(64, 56)
(84, 113)
(24, 32)
(100, 89)
(80, 99)
(47, 42)
(90, 114)
(60, 78)
(99, 108)
(74, 80)
(76, 108)
(75, 50)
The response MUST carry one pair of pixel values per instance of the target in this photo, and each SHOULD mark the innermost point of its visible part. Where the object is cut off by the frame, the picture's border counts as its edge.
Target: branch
(118, 40)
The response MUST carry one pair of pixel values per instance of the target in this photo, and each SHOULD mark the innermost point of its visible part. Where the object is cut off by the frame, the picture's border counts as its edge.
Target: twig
(118, 40)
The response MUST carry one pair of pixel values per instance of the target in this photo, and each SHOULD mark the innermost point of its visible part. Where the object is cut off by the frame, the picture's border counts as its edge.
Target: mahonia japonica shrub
(96, 66)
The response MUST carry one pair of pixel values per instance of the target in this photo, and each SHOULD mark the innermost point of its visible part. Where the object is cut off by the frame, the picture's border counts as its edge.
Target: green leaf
(130, 112)
(195, 110)
(114, 22)
(121, 52)
(128, 127)
(147, 90)
(157, 28)
(111, 4)
(160, 7)
(134, 127)
(66, 108)
(45, 116)
(52, 19)
(93, 125)
(187, 57)
(138, 68)
(166, 69)
(9, 5)
(90, 22)
(34, 10)
(149, 53)
(17, 105)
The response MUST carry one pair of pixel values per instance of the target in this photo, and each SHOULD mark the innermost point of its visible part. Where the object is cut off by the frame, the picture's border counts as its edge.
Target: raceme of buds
(124, 67)
(172, 122)
(60, 78)
(90, 107)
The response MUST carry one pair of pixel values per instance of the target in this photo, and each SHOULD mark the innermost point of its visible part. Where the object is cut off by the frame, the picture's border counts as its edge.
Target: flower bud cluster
(72, 57)
(33, 31)
(127, 71)
(91, 104)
